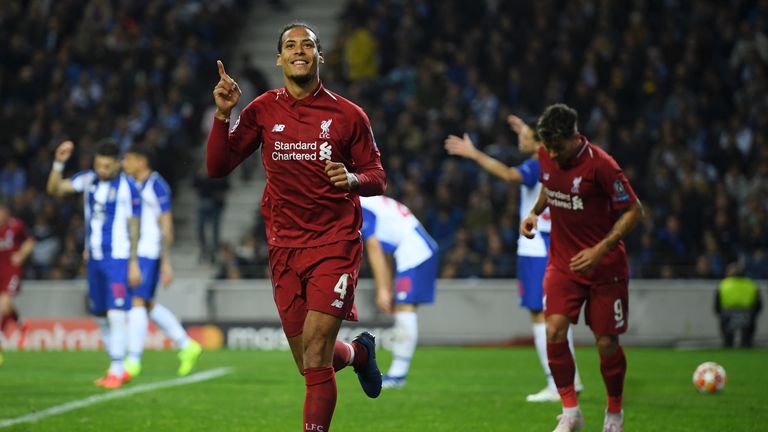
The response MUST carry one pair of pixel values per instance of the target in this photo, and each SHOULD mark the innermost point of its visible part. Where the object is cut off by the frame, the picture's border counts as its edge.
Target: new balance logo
(325, 151)
(278, 127)
(338, 304)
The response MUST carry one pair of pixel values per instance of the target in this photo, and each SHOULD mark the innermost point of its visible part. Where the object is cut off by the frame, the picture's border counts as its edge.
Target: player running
(319, 155)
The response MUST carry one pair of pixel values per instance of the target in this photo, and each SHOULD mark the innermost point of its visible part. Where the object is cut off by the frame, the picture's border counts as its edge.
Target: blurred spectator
(211, 196)
(93, 68)
(682, 109)
(737, 303)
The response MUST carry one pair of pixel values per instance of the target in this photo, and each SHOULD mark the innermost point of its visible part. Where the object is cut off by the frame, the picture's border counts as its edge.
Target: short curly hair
(294, 25)
(558, 122)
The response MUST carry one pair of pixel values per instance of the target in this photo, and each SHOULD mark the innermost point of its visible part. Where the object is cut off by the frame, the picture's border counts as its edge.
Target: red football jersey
(585, 199)
(12, 235)
(301, 208)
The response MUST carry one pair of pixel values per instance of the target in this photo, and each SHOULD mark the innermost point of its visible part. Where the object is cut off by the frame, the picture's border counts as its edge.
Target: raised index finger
(222, 72)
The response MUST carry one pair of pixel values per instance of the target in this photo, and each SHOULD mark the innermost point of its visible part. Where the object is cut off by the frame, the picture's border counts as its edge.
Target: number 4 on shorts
(341, 286)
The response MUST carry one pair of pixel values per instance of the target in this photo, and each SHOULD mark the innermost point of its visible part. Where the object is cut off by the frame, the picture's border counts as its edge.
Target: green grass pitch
(449, 389)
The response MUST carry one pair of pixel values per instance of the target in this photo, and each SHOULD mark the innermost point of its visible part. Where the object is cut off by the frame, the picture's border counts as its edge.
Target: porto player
(112, 208)
(593, 207)
(15, 247)
(319, 155)
(154, 252)
(389, 227)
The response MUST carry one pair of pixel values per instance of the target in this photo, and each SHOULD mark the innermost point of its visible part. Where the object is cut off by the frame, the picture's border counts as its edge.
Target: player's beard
(303, 79)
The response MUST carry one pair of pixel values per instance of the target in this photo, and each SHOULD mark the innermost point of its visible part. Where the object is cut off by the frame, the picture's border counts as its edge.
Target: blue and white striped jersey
(155, 200)
(398, 231)
(529, 193)
(109, 204)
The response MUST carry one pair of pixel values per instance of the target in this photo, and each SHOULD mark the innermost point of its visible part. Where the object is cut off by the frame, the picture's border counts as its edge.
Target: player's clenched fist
(226, 94)
(528, 226)
(339, 176)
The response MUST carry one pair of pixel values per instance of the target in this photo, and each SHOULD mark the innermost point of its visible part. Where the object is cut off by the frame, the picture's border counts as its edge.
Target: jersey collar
(584, 152)
(309, 100)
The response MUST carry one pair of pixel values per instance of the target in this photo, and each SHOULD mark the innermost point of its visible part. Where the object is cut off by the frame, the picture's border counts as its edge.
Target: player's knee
(557, 329)
(607, 345)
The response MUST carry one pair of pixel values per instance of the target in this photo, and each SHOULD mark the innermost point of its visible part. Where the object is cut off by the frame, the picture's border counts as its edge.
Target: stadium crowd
(681, 108)
(88, 69)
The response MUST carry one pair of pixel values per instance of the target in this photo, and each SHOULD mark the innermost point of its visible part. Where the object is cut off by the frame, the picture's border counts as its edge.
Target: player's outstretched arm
(588, 258)
(382, 275)
(58, 186)
(464, 147)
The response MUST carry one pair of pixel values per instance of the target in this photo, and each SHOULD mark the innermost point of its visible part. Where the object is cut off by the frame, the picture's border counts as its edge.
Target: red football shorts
(321, 278)
(10, 283)
(606, 311)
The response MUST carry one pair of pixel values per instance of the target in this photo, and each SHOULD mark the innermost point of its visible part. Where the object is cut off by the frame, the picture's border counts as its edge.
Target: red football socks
(563, 371)
(320, 399)
(613, 368)
(342, 355)
(5, 320)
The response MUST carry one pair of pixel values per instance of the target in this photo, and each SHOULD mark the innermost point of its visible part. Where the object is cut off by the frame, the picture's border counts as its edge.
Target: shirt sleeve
(530, 170)
(21, 232)
(369, 224)
(83, 179)
(614, 183)
(163, 193)
(135, 198)
(366, 158)
(226, 149)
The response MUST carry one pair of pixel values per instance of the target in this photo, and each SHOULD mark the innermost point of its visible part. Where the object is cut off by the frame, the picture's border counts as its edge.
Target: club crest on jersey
(112, 194)
(325, 151)
(576, 184)
(325, 129)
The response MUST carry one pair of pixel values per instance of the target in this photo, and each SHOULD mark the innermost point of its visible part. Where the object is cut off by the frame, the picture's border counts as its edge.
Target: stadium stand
(683, 111)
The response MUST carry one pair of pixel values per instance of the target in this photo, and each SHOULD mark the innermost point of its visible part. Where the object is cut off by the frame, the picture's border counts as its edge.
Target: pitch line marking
(116, 394)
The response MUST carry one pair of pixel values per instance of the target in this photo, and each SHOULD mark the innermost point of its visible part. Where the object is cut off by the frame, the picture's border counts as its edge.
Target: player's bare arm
(134, 273)
(20, 256)
(382, 274)
(588, 258)
(516, 123)
(58, 186)
(528, 225)
(166, 230)
(226, 94)
(339, 176)
(464, 147)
